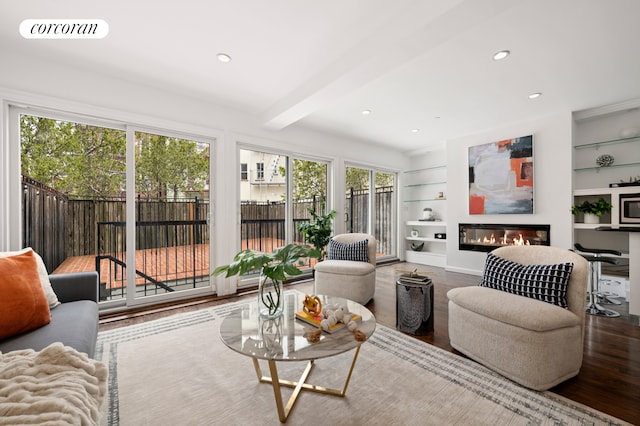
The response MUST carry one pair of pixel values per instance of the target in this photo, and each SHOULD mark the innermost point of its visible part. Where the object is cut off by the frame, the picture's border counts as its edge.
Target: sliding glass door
(277, 194)
(309, 188)
(171, 214)
(73, 180)
(132, 205)
(370, 206)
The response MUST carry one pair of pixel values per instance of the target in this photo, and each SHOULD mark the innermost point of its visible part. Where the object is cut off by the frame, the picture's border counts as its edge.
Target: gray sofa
(74, 322)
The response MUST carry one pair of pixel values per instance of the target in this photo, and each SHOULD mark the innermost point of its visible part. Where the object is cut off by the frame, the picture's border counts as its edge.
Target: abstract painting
(501, 177)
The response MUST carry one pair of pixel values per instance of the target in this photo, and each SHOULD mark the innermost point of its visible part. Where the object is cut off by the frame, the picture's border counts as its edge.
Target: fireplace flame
(519, 241)
(491, 240)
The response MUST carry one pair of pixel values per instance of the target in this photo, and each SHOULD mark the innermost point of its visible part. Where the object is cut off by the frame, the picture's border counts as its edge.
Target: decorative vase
(417, 247)
(270, 297)
(591, 218)
(414, 233)
(270, 332)
(427, 214)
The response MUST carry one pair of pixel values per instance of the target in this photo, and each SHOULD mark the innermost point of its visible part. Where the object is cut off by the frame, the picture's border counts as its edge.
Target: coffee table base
(283, 411)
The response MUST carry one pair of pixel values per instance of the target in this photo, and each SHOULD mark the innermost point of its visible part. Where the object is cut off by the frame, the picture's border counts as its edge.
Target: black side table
(414, 307)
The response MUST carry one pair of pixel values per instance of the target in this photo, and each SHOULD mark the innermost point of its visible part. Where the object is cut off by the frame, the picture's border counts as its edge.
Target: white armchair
(529, 341)
(341, 276)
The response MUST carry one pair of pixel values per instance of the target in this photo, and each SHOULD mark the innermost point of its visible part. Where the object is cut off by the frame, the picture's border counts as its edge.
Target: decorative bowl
(604, 160)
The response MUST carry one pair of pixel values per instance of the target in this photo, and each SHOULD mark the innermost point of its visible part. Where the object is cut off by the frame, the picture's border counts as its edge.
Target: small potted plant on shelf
(274, 269)
(592, 210)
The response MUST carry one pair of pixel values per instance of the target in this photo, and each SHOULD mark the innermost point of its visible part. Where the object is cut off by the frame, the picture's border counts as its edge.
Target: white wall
(552, 151)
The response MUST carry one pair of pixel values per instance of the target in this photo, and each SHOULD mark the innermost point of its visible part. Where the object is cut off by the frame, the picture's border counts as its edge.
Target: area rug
(177, 371)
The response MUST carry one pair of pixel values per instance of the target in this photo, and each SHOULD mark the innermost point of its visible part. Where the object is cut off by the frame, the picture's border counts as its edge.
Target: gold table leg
(283, 411)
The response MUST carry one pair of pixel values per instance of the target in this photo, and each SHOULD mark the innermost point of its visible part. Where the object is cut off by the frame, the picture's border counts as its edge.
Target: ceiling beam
(415, 32)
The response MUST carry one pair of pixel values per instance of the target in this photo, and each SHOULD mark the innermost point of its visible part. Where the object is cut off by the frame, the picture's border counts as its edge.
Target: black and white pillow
(547, 283)
(358, 251)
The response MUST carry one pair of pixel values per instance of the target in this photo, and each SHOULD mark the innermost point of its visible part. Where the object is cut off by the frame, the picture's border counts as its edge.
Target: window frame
(13, 212)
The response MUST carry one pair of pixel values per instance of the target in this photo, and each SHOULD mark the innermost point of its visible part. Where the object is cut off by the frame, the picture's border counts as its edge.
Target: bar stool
(595, 260)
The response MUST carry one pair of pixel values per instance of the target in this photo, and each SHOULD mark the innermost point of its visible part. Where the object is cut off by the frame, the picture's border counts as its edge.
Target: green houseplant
(595, 208)
(318, 231)
(274, 268)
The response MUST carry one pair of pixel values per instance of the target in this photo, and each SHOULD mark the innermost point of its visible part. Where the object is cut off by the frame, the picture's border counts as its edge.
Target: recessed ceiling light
(535, 95)
(223, 57)
(501, 55)
(366, 111)
(415, 130)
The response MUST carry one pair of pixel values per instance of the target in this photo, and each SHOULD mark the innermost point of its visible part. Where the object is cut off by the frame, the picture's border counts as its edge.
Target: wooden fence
(58, 226)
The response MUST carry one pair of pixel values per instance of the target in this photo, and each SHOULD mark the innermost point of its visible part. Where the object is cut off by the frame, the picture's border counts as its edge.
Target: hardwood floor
(609, 380)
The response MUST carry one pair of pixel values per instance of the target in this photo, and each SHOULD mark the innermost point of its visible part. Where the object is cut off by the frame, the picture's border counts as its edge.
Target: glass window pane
(172, 206)
(357, 199)
(73, 198)
(309, 189)
(262, 201)
(384, 212)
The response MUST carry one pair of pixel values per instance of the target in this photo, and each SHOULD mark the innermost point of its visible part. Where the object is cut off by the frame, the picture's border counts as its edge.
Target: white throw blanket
(56, 386)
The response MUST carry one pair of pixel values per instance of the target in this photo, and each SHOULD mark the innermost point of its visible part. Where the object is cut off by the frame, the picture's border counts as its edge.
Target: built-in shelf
(609, 142)
(434, 252)
(589, 225)
(426, 223)
(598, 168)
(427, 239)
(425, 169)
(424, 188)
(591, 182)
(425, 199)
(588, 192)
(426, 258)
(415, 185)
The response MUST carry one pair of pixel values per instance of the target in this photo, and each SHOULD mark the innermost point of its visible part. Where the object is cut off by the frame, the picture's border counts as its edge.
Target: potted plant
(274, 268)
(592, 210)
(318, 231)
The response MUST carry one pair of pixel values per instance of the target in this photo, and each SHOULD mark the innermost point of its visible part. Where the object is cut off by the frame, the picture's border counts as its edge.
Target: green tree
(169, 166)
(357, 178)
(67, 156)
(309, 179)
(85, 160)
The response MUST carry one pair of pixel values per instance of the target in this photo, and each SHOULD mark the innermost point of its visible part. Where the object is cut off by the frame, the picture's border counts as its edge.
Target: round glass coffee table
(284, 339)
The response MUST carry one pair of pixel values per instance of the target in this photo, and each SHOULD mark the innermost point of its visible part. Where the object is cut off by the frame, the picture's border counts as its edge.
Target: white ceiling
(423, 64)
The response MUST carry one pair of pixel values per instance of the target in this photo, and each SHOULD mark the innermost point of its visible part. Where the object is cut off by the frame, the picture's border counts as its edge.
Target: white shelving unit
(614, 134)
(628, 161)
(612, 195)
(434, 251)
(424, 185)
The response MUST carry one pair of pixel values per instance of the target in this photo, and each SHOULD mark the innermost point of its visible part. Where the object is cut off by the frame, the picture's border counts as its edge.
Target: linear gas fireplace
(486, 237)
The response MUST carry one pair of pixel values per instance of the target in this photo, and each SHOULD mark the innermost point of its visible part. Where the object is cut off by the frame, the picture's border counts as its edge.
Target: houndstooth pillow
(547, 283)
(358, 251)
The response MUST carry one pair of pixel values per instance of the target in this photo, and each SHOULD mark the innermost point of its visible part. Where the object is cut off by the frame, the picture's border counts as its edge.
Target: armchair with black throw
(350, 268)
(526, 318)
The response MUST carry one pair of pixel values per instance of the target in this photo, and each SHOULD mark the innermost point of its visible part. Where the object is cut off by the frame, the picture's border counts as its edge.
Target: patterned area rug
(176, 371)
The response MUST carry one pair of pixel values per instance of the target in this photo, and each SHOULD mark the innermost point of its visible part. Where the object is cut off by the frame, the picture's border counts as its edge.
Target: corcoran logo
(64, 28)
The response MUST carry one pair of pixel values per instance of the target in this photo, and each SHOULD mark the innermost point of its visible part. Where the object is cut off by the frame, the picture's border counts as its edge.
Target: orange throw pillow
(23, 305)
